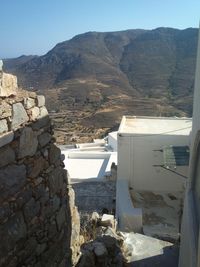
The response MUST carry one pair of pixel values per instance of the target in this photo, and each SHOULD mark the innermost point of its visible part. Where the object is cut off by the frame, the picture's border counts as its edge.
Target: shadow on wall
(36, 201)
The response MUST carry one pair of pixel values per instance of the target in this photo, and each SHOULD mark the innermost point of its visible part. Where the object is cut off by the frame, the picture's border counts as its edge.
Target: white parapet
(129, 218)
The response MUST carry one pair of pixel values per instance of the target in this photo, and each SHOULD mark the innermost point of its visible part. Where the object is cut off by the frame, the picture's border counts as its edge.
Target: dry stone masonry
(39, 224)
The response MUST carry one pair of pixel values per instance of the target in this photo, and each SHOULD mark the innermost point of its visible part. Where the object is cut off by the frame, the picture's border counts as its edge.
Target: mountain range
(95, 78)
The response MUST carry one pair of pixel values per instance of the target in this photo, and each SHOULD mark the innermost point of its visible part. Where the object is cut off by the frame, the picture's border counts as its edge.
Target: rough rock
(44, 139)
(54, 154)
(3, 126)
(19, 115)
(102, 252)
(61, 218)
(41, 123)
(108, 220)
(56, 181)
(8, 85)
(38, 165)
(5, 212)
(11, 232)
(100, 249)
(95, 217)
(87, 259)
(29, 102)
(12, 178)
(117, 236)
(43, 112)
(28, 143)
(31, 209)
(8, 156)
(34, 113)
(40, 100)
(55, 203)
(5, 110)
(6, 138)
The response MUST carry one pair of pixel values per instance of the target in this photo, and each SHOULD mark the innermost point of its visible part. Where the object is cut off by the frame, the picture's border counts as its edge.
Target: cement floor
(144, 251)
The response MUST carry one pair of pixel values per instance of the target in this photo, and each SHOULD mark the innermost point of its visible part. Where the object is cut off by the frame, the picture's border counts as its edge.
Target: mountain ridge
(104, 75)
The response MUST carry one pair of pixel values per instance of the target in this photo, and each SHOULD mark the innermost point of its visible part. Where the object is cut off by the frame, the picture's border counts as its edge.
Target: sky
(36, 26)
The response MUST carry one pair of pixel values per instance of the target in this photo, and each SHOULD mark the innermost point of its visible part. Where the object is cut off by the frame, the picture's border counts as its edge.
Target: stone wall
(37, 209)
(95, 196)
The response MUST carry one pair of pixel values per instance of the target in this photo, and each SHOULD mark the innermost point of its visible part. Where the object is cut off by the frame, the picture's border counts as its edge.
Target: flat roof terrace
(155, 125)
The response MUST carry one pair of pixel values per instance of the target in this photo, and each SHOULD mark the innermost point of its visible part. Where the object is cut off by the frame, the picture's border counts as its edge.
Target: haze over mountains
(101, 76)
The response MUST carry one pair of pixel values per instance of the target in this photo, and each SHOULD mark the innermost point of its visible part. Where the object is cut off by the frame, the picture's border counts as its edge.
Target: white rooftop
(89, 160)
(155, 125)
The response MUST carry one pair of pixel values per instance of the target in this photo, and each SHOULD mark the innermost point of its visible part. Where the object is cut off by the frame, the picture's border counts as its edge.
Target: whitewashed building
(153, 159)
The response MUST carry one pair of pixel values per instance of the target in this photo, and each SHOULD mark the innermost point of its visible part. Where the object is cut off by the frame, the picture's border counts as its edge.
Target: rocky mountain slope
(93, 79)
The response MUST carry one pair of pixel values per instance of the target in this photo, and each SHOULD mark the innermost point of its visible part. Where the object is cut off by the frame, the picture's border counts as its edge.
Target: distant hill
(106, 75)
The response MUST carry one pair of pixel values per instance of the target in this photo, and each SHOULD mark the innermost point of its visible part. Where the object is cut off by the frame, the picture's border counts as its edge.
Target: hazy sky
(35, 26)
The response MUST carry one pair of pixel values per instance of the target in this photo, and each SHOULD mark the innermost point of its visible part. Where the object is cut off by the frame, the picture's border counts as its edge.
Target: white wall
(136, 157)
(129, 218)
(190, 247)
(112, 140)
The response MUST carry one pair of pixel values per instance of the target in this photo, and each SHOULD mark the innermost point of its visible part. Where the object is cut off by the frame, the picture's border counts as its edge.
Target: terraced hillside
(93, 79)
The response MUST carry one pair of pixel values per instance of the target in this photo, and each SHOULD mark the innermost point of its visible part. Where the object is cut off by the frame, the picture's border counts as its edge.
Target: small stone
(95, 217)
(55, 203)
(19, 115)
(38, 165)
(5, 110)
(54, 154)
(39, 191)
(3, 126)
(12, 178)
(87, 259)
(56, 180)
(40, 100)
(108, 220)
(100, 250)
(61, 218)
(11, 232)
(38, 181)
(8, 85)
(31, 209)
(6, 138)
(45, 153)
(43, 112)
(28, 143)
(8, 156)
(71, 194)
(34, 113)
(23, 197)
(29, 102)
(40, 248)
(4, 212)
(42, 122)
(62, 157)
(44, 139)
(32, 94)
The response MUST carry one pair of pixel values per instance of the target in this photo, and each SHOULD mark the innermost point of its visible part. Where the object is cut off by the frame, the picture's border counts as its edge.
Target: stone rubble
(103, 246)
(110, 248)
(39, 223)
